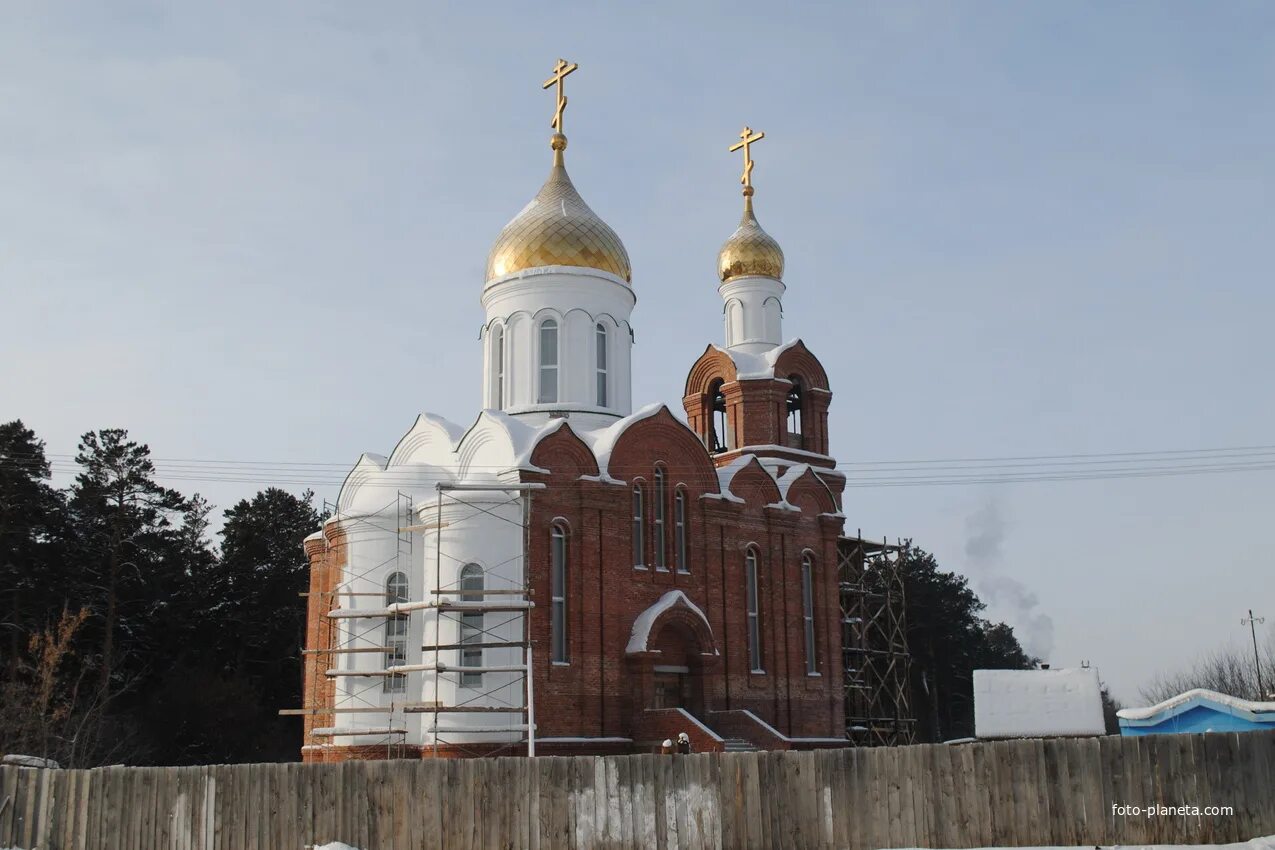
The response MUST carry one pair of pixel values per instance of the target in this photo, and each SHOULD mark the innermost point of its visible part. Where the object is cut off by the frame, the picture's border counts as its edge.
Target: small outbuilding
(1198, 710)
(1037, 703)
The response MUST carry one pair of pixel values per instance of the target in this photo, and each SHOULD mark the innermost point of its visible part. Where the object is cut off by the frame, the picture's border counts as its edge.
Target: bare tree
(1230, 670)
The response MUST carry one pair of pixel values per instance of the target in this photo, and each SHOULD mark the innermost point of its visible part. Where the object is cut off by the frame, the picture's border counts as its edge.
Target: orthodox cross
(560, 72)
(747, 137)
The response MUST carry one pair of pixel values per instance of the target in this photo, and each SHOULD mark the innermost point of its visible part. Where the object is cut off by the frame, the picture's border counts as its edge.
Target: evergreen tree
(127, 552)
(243, 661)
(31, 533)
(948, 639)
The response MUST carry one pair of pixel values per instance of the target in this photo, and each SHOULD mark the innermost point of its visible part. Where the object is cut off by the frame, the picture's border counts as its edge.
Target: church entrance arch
(670, 651)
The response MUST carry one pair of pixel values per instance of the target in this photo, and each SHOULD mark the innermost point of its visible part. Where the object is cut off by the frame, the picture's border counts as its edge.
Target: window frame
(602, 364)
(549, 374)
(659, 520)
(808, 614)
(559, 626)
(472, 624)
(498, 356)
(397, 589)
(638, 527)
(752, 607)
(680, 552)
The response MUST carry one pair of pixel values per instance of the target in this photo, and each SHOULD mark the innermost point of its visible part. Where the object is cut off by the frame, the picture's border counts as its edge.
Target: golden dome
(557, 229)
(750, 250)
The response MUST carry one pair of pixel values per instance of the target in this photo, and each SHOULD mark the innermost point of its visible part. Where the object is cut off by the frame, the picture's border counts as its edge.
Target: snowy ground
(1267, 843)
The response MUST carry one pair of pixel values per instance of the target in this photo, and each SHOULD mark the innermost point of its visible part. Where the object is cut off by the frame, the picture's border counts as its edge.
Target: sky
(257, 232)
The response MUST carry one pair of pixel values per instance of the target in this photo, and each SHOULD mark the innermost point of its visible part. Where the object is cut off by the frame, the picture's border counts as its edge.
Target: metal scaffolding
(345, 632)
(509, 604)
(874, 643)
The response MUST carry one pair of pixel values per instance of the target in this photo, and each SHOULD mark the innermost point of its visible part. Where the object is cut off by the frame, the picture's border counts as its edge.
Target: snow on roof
(1037, 703)
(1198, 696)
(751, 366)
(726, 474)
(603, 440)
(641, 632)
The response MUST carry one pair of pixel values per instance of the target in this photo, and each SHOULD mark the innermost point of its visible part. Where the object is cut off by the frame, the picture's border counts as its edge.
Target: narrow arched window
(796, 439)
(679, 530)
(498, 366)
(471, 626)
(548, 362)
(601, 337)
(718, 439)
(639, 549)
(661, 502)
(808, 613)
(395, 633)
(753, 603)
(558, 592)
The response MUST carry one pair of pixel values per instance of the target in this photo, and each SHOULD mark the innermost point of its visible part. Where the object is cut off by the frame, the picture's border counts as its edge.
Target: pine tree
(127, 549)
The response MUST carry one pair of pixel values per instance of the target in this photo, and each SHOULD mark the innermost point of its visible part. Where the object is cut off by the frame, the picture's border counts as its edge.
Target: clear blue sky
(257, 232)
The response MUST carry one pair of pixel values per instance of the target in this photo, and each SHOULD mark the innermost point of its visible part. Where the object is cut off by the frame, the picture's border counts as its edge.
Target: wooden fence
(1051, 792)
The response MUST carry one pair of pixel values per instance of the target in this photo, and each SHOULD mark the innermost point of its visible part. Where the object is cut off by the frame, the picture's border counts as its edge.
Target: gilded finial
(747, 138)
(560, 70)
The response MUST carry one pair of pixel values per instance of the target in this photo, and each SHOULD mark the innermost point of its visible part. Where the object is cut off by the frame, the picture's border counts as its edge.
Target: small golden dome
(750, 250)
(557, 229)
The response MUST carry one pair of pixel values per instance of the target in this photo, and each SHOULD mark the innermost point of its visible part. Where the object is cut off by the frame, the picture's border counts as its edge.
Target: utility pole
(1252, 622)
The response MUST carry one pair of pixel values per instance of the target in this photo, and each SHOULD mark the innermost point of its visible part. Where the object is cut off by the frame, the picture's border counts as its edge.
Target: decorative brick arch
(798, 360)
(754, 485)
(673, 609)
(663, 438)
(808, 492)
(563, 452)
(712, 365)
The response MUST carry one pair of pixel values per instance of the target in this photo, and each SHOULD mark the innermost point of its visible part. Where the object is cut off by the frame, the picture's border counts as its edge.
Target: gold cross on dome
(747, 137)
(560, 72)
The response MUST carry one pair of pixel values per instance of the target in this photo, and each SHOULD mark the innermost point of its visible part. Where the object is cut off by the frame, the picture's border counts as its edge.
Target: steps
(739, 745)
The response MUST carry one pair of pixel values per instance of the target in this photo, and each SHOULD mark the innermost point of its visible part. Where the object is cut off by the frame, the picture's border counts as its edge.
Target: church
(566, 574)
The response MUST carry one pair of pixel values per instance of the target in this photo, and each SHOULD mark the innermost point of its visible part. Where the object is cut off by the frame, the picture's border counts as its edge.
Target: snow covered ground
(1266, 843)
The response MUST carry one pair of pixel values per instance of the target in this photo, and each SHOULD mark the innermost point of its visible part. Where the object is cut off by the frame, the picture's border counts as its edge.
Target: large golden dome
(558, 229)
(750, 250)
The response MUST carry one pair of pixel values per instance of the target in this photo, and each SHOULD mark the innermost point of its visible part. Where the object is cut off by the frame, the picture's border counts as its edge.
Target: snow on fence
(1004, 793)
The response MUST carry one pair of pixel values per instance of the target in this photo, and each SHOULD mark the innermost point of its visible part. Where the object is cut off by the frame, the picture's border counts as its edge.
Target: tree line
(127, 636)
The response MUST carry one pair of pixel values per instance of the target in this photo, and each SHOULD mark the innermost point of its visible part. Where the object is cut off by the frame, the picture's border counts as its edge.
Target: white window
(498, 355)
(639, 550)
(548, 362)
(754, 611)
(661, 499)
(471, 625)
(808, 613)
(558, 592)
(601, 337)
(395, 633)
(679, 530)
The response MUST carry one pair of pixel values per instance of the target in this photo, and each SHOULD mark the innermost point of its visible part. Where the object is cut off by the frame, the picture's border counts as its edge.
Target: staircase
(739, 745)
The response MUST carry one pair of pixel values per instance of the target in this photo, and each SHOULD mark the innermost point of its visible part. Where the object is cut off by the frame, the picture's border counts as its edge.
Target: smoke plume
(1006, 596)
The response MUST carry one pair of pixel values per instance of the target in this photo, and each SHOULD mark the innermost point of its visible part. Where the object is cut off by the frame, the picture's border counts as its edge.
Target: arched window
(471, 625)
(639, 549)
(753, 602)
(661, 502)
(558, 592)
(795, 397)
(808, 613)
(498, 365)
(679, 530)
(548, 362)
(718, 434)
(395, 633)
(601, 337)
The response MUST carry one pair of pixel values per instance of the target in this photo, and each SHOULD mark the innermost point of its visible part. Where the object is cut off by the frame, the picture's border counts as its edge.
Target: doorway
(671, 687)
